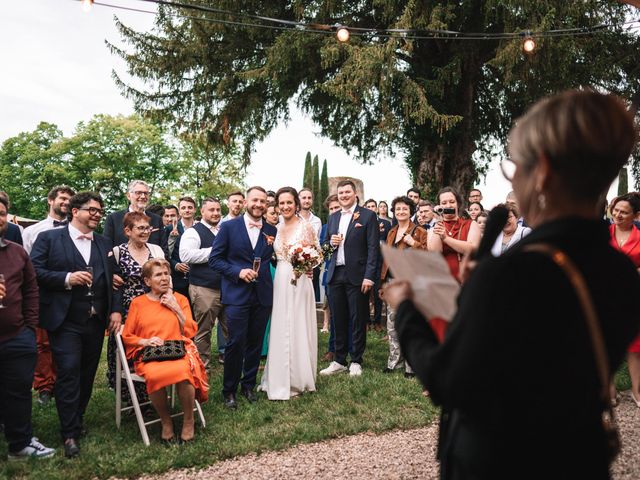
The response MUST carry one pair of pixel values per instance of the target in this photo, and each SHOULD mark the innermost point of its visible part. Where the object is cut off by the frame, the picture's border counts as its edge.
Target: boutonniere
(357, 225)
(268, 238)
(381, 227)
(356, 215)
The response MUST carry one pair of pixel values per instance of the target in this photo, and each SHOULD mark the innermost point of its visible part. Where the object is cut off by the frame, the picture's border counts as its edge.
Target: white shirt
(31, 232)
(83, 245)
(518, 235)
(190, 247)
(345, 219)
(254, 233)
(315, 222)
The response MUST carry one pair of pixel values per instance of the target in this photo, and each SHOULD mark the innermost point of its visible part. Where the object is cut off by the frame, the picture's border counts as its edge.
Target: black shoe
(409, 375)
(44, 397)
(387, 370)
(71, 448)
(250, 395)
(230, 400)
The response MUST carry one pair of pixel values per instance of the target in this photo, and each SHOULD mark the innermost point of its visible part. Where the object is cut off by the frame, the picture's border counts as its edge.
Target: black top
(516, 367)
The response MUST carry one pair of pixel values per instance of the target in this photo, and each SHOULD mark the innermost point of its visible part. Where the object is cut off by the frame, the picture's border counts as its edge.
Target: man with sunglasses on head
(78, 302)
(138, 194)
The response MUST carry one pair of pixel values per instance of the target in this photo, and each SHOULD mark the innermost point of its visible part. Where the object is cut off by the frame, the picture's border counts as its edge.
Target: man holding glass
(75, 273)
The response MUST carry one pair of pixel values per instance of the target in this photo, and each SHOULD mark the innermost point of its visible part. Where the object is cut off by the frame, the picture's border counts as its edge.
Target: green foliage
(307, 176)
(315, 170)
(104, 155)
(376, 402)
(324, 192)
(623, 181)
(440, 103)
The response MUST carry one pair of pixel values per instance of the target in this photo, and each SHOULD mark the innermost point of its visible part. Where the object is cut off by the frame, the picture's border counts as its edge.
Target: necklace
(622, 239)
(450, 232)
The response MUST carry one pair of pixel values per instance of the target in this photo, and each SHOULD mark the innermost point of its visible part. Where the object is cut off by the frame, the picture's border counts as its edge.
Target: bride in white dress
(292, 360)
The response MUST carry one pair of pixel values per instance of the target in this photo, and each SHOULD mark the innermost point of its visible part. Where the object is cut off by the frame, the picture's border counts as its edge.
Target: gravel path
(396, 455)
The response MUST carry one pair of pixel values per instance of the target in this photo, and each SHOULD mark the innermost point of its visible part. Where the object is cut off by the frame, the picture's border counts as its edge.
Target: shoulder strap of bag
(116, 253)
(591, 317)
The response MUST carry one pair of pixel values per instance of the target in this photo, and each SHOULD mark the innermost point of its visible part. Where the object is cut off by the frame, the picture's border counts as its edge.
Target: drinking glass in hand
(90, 291)
(256, 266)
(2, 282)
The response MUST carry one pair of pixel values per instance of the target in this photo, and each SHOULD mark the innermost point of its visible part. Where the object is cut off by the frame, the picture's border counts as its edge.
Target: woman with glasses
(129, 258)
(512, 232)
(523, 391)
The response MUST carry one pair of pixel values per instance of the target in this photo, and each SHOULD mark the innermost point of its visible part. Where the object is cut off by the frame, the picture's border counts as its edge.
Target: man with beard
(241, 254)
(45, 375)
(235, 203)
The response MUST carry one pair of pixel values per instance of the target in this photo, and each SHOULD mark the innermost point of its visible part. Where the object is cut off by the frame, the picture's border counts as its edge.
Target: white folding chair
(123, 372)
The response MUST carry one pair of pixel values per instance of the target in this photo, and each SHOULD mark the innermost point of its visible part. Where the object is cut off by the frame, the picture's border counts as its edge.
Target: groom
(247, 296)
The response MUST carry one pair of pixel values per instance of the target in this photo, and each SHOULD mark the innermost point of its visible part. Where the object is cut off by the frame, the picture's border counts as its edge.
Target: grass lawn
(342, 406)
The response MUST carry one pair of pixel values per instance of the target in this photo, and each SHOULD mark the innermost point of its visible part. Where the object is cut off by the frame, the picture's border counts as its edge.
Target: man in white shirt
(204, 282)
(44, 377)
(235, 204)
(306, 203)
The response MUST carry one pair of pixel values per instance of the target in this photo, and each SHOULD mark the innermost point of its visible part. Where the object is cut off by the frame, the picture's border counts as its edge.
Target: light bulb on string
(86, 5)
(529, 44)
(343, 34)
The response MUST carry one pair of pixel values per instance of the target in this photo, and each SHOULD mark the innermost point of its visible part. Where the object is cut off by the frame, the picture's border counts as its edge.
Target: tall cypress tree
(322, 212)
(316, 185)
(307, 178)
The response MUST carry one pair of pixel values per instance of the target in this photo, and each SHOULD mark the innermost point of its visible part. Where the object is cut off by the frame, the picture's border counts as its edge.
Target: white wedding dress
(292, 360)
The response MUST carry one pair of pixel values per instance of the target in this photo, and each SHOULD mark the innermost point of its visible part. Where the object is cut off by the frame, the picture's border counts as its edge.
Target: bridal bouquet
(303, 257)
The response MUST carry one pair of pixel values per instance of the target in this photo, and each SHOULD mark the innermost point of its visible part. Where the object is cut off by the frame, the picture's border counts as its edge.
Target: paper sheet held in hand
(434, 289)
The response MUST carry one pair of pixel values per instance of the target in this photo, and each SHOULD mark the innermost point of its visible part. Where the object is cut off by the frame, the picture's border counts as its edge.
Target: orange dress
(459, 230)
(149, 318)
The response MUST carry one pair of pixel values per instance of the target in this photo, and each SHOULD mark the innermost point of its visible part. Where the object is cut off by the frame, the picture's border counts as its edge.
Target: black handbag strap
(579, 284)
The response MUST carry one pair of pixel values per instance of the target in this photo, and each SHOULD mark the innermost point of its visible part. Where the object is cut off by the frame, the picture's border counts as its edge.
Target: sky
(56, 68)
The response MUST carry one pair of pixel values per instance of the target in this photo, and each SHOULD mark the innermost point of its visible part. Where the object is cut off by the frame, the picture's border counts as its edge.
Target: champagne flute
(90, 292)
(256, 266)
(3, 283)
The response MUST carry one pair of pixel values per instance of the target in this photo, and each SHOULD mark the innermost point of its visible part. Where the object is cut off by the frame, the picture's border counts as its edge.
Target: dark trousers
(17, 364)
(246, 325)
(332, 328)
(350, 305)
(316, 283)
(76, 347)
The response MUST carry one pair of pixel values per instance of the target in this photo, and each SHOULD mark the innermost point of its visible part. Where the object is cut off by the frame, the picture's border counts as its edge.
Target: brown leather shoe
(327, 357)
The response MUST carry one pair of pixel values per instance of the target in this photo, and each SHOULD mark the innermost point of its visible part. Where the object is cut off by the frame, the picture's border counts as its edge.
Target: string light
(342, 34)
(529, 44)
(86, 5)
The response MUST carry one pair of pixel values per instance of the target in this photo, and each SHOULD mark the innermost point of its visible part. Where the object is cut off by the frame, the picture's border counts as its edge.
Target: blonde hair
(586, 136)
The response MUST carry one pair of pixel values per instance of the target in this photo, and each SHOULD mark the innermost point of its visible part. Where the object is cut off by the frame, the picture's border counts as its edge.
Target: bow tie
(85, 237)
(255, 225)
(61, 223)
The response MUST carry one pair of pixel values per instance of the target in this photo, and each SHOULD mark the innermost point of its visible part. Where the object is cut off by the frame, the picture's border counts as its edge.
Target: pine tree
(323, 213)
(316, 185)
(623, 181)
(307, 177)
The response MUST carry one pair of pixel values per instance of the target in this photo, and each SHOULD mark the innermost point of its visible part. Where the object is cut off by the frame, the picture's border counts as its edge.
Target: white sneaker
(34, 450)
(355, 369)
(334, 367)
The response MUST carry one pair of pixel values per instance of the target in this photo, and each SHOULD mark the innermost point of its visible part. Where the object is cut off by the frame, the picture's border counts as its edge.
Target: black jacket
(516, 375)
(114, 230)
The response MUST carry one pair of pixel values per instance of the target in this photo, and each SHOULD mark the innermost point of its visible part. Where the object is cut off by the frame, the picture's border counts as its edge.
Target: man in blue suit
(354, 233)
(77, 306)
(247, 295)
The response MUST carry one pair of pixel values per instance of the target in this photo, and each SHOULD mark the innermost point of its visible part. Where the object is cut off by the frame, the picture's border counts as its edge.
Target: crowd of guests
(161, 273)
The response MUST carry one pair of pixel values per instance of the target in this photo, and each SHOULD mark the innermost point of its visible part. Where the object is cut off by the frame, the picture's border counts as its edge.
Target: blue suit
(13, 233)
(247, 305)
(361, 251)
(75, 322)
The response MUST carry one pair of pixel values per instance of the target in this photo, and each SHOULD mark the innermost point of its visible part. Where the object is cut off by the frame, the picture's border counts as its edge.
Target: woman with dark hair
(292, 360)
(625, 237)
(404, 235)
(481, 220)
(523, 392)
(512, 232)
(154, 318)
(475, 209)
(453, 236)
(383, 210)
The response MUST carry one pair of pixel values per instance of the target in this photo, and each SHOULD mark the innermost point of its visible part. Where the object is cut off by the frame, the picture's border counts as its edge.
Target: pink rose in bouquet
(303, 257)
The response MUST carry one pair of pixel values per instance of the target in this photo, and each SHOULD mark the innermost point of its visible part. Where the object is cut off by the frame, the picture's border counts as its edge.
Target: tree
(315, 170)
(324, 192)
(445, 104)
(307, 176)
(623, 181)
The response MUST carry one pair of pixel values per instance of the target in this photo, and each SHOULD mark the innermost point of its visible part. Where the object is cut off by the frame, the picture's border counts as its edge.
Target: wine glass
(90, 292)
(2, 282)
(256, 266)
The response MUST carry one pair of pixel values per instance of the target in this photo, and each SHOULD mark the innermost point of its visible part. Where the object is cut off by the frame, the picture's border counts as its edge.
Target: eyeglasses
(141, 193)
(508, 168)
(93, 211)
(143, 228)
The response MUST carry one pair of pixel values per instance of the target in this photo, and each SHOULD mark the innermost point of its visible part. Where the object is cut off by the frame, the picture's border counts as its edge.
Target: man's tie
(255, 225)
(62, 223)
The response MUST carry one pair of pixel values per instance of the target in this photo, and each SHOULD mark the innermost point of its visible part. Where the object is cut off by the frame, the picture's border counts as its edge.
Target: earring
(542, 201)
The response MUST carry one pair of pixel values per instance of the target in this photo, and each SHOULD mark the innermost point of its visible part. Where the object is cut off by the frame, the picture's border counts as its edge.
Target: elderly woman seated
(154, 318)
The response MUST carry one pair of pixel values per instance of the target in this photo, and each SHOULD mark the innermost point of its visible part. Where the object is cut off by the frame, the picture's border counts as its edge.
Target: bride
(292, 360)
